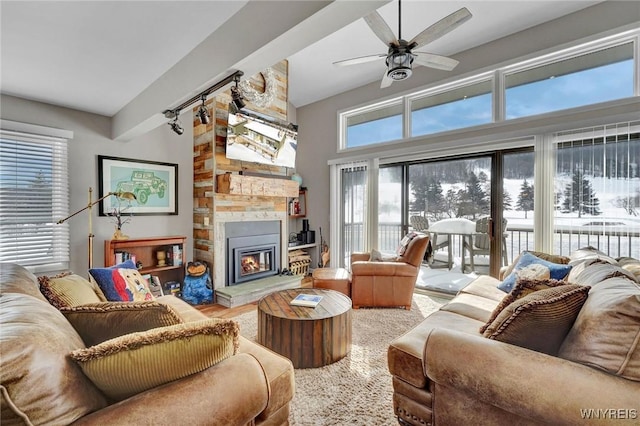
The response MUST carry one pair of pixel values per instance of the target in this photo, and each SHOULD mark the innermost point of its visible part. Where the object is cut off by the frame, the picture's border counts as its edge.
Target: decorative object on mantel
(297, 178)
(121, 195)
(265, 98)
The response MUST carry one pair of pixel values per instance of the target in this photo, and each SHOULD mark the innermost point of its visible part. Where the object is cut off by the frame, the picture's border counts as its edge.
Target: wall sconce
(203, 113)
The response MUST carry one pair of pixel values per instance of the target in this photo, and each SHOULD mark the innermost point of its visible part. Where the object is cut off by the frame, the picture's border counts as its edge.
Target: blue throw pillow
(122, 283)
(533, 267)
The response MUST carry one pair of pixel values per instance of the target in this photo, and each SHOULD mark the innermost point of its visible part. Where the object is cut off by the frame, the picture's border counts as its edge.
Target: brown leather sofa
(40, 384)
(444, 372)
(387, 283)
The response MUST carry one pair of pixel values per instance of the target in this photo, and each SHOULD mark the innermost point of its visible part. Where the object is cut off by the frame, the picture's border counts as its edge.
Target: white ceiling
(99, 56)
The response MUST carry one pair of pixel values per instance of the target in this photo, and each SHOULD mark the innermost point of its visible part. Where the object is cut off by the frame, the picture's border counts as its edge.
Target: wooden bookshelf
(145, 250)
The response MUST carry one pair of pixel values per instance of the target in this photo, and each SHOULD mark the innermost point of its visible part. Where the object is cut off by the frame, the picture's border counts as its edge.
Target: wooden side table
(309, 337)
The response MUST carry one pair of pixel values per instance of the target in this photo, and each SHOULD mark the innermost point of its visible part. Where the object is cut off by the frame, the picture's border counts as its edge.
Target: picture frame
(155, 185)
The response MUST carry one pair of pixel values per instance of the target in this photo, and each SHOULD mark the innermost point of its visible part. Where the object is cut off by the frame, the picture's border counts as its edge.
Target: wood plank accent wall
(209, 160)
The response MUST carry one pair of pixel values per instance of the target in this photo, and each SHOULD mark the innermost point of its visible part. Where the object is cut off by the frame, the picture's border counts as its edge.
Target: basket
(300, 267)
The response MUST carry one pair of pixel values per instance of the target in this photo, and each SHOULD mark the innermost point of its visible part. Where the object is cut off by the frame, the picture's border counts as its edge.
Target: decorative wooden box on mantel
(235, 184)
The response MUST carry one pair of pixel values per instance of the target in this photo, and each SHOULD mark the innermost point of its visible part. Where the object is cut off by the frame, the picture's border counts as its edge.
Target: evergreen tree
(474, 201)
(507, 201)
(525, 198)
(579, 196)
(451, 201)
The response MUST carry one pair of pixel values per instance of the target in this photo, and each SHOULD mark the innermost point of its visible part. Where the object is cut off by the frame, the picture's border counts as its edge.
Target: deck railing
(615, 243)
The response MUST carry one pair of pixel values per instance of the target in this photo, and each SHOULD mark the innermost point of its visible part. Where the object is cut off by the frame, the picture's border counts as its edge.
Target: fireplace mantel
(234, 184)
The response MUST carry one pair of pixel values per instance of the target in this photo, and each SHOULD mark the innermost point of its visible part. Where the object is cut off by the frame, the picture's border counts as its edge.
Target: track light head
(175, 124)
(236, 99)
(203, 113)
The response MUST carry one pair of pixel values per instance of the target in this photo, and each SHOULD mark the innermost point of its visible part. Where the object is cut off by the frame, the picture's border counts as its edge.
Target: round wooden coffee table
(309, 337)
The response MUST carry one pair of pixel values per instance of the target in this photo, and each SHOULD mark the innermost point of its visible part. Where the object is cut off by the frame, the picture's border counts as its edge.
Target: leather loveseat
(40, 384)
(445, 372)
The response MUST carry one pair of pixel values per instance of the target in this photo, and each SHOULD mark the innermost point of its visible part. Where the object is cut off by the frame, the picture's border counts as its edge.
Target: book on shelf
(308, 300)
(122, 256)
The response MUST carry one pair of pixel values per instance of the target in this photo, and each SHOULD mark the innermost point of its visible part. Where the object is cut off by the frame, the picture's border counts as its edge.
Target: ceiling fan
(401, 55)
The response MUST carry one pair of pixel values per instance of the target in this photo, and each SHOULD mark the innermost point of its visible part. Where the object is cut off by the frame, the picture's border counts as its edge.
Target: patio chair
(479, 243)
(421, 224)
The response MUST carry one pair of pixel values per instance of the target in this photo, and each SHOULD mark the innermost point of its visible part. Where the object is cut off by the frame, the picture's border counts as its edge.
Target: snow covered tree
(474, 201)
(579, 196)
(428, 197)
(525, 198)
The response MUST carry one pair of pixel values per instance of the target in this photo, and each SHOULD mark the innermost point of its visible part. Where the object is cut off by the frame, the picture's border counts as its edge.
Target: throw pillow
(97, 322)
(533, 267)
(523, 287)
(631, 265)
(122, 284)
(589, 252)
(67, 289)
(377, 256)
(606, 333)
(404, 243)
(133, 363)
(598, 272)
(541, 320)
(554, 258)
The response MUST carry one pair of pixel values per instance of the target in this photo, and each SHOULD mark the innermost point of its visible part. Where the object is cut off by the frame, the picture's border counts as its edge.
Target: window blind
(34, 195)
(353, 178)
(597, 189)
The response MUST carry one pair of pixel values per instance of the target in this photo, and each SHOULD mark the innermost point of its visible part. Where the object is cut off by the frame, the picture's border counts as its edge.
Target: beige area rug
(356, 390)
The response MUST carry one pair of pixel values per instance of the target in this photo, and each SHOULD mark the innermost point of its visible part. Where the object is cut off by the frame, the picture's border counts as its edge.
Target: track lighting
(175, 123)
(203, 114)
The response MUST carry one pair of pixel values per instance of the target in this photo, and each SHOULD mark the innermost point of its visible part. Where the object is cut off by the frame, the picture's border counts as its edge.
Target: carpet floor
(356, 390)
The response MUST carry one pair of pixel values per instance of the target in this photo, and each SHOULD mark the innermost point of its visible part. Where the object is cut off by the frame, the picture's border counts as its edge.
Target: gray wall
(91, 138)
(317, 143)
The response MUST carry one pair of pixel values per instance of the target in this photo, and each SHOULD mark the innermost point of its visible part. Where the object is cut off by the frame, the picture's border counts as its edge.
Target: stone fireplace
(252, 250)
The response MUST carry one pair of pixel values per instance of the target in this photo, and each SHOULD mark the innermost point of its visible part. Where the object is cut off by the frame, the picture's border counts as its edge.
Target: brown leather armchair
(388, 283)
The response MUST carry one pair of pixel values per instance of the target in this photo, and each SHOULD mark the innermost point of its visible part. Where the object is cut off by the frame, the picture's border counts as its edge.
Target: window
(374, 125)
(591, 78)
(592, 73)
(454, 109)
(597, 190)
(33, 197)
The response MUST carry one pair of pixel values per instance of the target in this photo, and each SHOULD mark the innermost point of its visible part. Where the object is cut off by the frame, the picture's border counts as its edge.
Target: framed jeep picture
(154, 185)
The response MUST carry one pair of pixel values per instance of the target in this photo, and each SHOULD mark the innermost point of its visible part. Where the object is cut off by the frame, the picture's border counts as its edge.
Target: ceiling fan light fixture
(399, 66)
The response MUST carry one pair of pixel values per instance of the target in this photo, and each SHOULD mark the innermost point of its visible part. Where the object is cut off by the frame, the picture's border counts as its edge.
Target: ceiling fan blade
(386, 80)
(381, 29)
(360, 60)
(441, 28)
(434, 61)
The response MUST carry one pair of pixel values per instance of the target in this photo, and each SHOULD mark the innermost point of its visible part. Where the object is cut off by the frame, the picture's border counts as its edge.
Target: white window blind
(34, 195)
(597, 189)
(354, 180)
